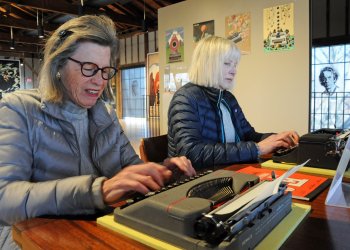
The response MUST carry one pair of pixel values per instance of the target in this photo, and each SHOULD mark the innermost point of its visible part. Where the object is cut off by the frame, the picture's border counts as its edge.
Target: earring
(58, 76)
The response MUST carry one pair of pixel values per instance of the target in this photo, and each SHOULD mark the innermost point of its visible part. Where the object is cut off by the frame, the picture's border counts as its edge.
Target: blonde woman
(206, 123)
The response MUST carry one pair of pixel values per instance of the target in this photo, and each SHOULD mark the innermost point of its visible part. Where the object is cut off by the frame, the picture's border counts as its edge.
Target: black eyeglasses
(89, 69)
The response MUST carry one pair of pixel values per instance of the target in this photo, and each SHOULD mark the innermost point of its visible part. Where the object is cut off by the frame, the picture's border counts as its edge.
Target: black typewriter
(324, 148)
(197, 213)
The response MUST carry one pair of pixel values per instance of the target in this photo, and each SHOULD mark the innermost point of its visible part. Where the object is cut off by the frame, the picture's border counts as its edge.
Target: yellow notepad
(273, 240)
(311, 170)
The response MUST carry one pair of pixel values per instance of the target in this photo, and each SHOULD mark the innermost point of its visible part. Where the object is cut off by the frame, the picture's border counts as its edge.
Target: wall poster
(153, 84)
(279, 28)
(174, 45)
(175, 77)
(202, 30)
(237, 29)
(9, 76)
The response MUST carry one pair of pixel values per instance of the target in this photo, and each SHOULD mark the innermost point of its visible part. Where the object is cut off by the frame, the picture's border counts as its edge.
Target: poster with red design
(153, 84)
(174, 45)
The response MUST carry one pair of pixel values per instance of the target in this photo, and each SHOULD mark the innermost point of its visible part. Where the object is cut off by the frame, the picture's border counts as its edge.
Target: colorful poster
(153, 83)
(237, 29)
(9, 76)
(279, 28)
(202, 30)
(175, 77)
(174, 45)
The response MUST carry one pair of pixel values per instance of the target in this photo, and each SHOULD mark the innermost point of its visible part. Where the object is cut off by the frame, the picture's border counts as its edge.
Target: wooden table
(325, 228)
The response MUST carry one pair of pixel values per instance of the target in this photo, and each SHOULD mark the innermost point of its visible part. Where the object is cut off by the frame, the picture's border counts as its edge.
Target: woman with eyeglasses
(62, 149)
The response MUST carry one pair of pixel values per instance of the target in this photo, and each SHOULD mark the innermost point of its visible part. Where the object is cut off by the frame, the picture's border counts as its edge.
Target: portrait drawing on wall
(330, 92)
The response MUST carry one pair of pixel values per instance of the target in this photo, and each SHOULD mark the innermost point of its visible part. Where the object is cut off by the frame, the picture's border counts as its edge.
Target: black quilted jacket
(195, 128)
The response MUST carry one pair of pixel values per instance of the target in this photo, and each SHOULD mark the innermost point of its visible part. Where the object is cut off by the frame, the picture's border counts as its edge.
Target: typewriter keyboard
(180, 180)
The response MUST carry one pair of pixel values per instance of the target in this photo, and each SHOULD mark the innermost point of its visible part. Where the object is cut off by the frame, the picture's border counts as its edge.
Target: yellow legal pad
(305, 169)
(272, 241)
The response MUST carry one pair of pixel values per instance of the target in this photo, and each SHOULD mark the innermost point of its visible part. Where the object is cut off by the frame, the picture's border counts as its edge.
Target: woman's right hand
(141, 178)
(282, 140)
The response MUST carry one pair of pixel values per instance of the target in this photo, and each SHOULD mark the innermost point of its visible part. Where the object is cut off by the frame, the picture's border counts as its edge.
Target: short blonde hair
(208, 59)
(63, 43)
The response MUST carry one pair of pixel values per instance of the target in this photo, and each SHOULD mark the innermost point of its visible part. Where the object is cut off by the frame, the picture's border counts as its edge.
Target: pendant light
(40, 26)
(12, 43)
(144, 22)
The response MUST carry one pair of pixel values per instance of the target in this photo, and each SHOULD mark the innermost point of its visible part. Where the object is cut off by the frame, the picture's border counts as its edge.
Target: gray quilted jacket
(40, 158)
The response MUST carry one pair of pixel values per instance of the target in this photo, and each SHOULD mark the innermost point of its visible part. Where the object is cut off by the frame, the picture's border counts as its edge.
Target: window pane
(330, 87)
(134, 92)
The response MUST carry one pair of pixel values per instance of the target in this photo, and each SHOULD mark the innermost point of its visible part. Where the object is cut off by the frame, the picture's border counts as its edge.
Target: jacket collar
(98, 112)
(214, 94)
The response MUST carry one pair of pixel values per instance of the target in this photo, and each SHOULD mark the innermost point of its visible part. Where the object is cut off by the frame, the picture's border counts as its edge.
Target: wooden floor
(137, 128)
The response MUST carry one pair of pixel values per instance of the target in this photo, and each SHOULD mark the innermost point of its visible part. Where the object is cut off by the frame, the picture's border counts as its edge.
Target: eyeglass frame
(94, 72)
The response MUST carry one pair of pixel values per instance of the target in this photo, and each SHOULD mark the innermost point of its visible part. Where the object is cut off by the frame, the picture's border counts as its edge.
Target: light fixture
(12, 43)
(21, 61)
(81, 8)
(40, 26)
(144, 23)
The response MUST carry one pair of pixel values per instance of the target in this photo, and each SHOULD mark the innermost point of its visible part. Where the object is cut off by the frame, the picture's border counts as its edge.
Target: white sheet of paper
(335, 195)
(259, 193)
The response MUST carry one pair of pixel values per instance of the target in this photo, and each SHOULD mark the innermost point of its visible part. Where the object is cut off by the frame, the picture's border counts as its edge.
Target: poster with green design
(174, 45)
(279, 28)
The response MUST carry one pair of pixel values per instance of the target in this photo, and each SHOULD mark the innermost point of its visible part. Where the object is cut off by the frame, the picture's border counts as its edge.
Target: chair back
(154, 149)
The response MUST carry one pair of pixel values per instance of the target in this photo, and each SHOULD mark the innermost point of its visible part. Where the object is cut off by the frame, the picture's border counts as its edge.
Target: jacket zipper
(223, 139)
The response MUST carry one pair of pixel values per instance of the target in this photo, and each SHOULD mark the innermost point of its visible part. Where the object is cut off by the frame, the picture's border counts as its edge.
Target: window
(330, 87)
(134, 92)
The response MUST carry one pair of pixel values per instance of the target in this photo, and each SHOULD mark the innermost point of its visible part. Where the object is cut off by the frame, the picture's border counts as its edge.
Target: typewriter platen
(184, 214)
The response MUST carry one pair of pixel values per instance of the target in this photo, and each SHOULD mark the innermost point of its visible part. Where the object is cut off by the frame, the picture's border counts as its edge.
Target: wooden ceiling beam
(20, 48)
(24, 10)
(24, 24)
(153, 4)
(149, 11)
(19, 54)
(65, 8)
(21, 39)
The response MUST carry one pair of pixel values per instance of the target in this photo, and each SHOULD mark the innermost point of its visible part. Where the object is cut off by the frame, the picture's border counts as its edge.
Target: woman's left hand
(181, 163)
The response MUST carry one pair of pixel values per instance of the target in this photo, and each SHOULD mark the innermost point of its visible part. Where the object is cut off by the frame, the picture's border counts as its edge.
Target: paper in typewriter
(339, 192)
(257, 194)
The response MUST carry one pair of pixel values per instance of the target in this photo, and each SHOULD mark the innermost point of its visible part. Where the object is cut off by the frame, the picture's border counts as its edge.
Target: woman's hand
(285, 139)
(182, 163)
(143, 178)
(135, 178)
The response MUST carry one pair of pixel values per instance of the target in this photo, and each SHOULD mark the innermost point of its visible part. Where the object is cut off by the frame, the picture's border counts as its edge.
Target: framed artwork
(153, 84)
(174, 45)
(279, 28)
(330, 87)
(202, 30)
(9, 76)
(237, 29)
(175, 76)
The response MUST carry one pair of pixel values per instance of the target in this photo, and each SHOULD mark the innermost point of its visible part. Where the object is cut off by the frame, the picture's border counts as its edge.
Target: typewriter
(324, 147)
(201, 212)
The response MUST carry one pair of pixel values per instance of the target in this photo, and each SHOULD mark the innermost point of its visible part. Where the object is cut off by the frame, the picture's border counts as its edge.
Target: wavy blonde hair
(63, 43)
(208, 59)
